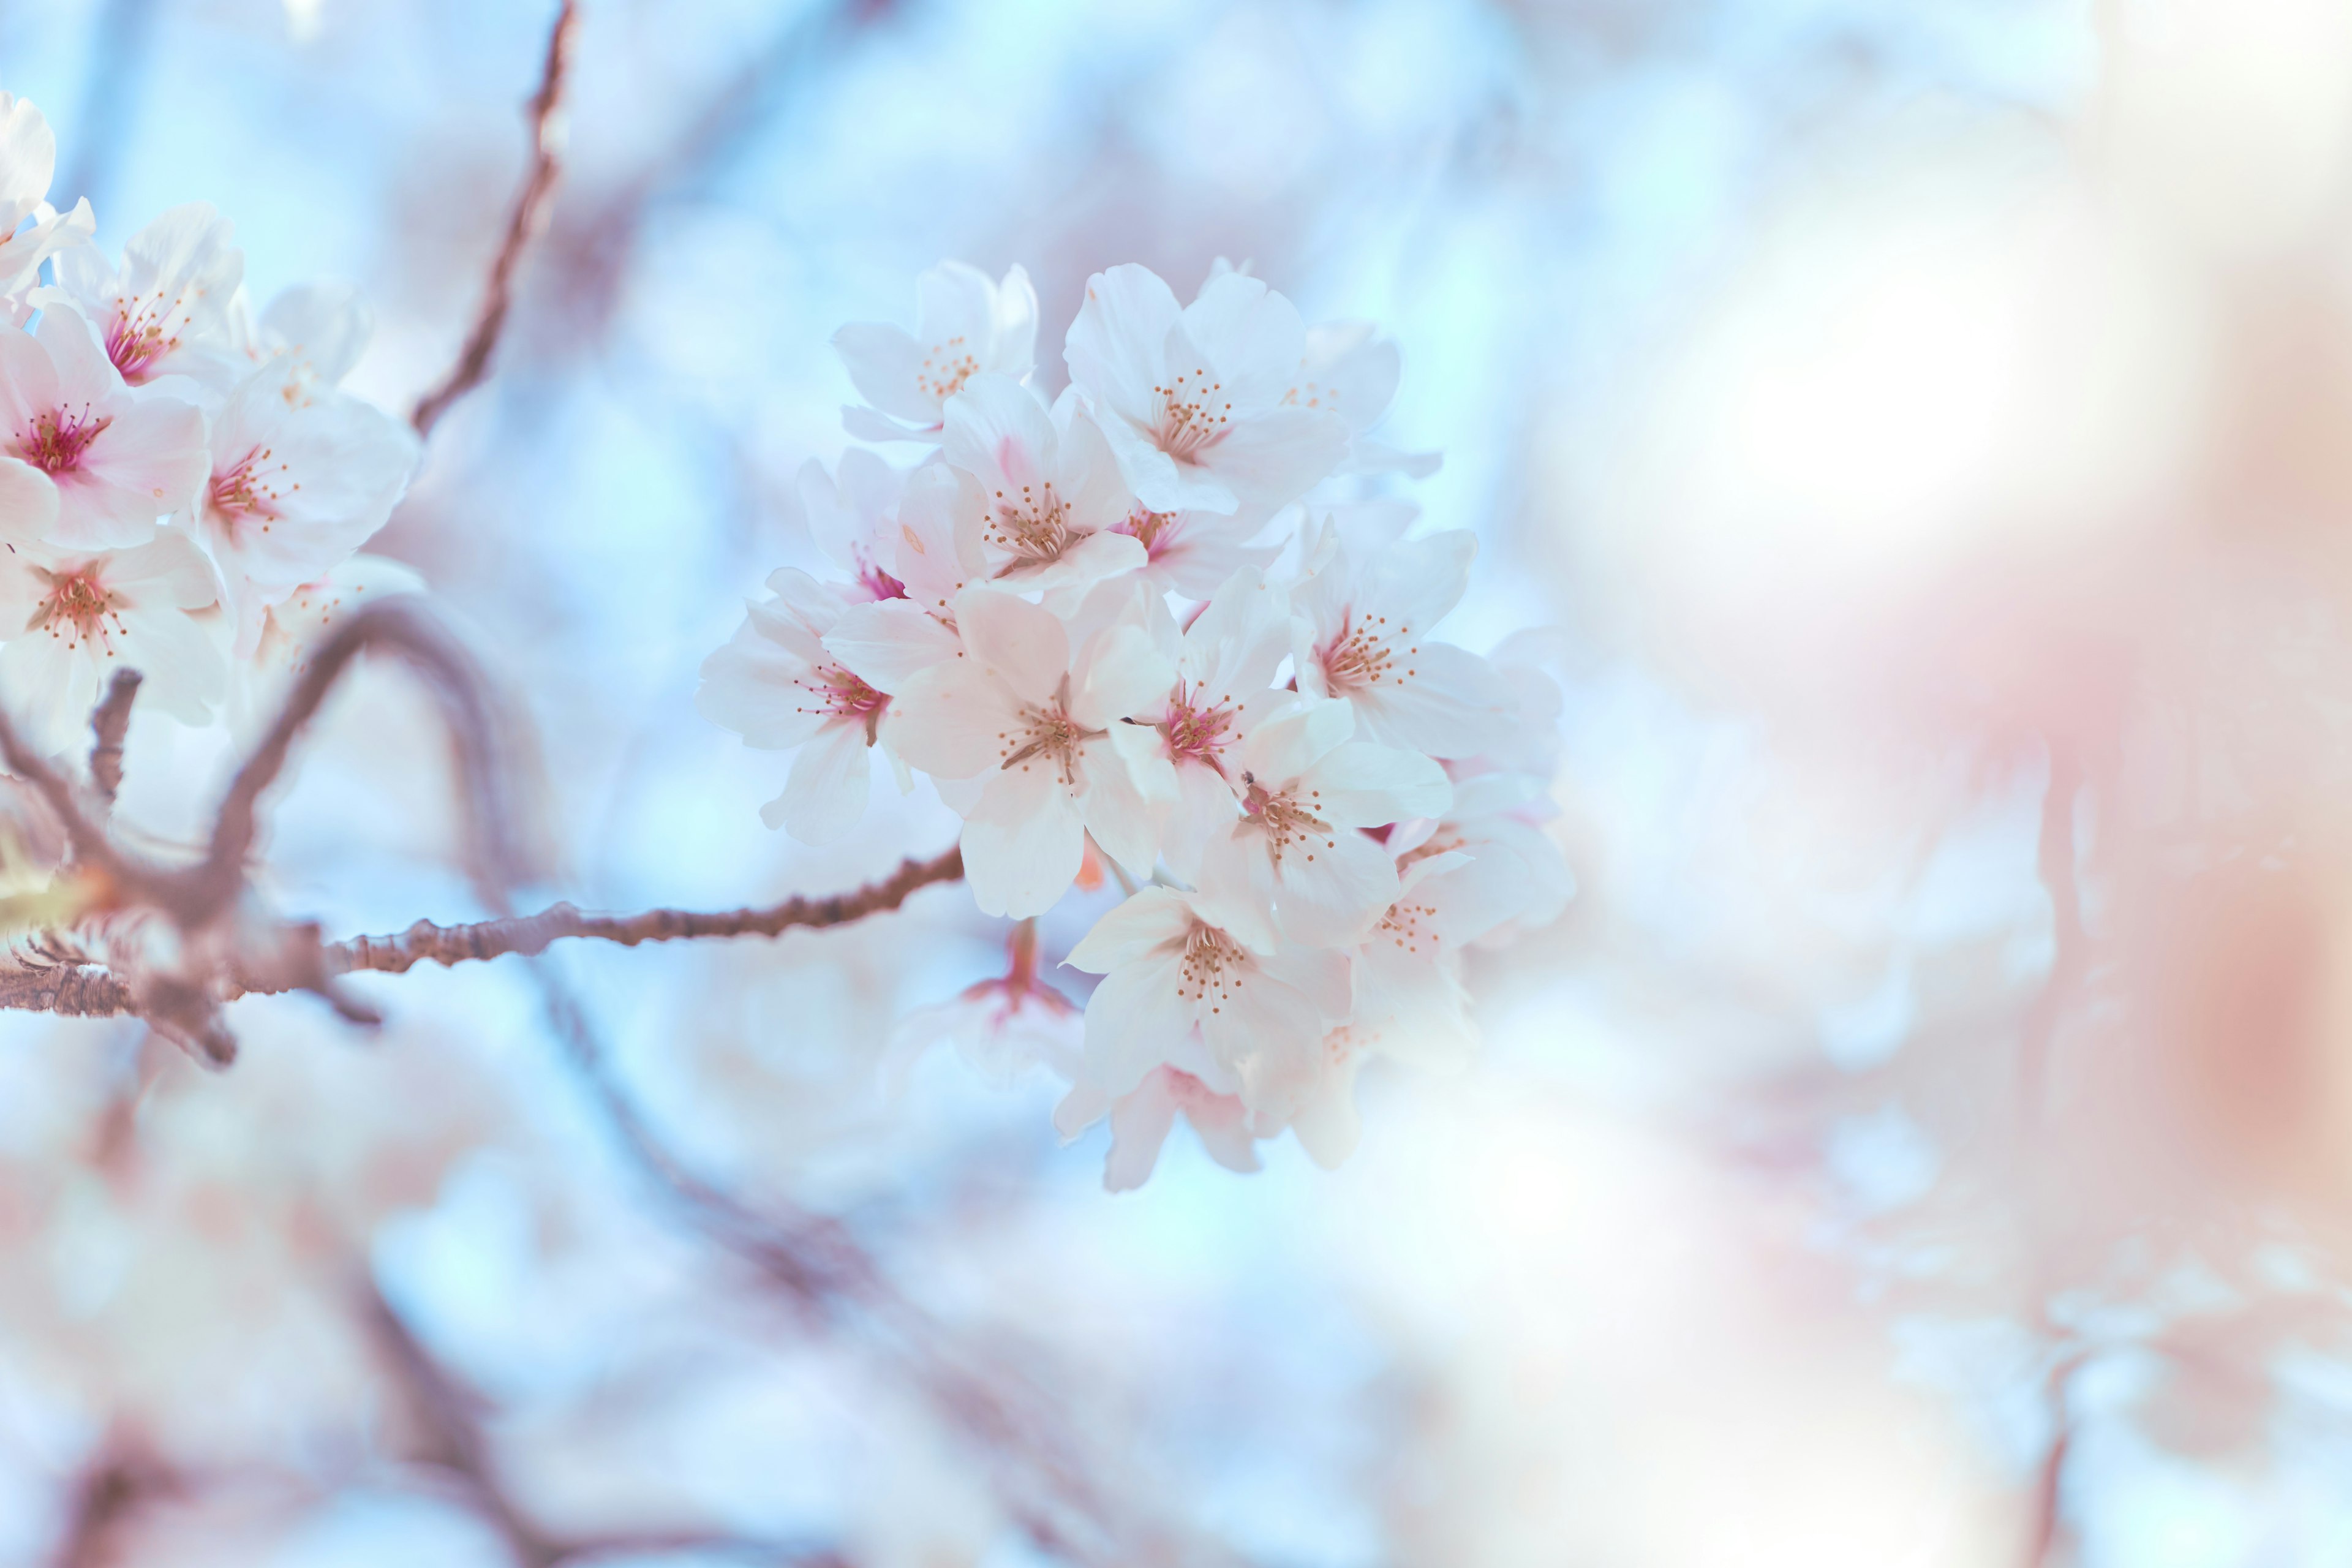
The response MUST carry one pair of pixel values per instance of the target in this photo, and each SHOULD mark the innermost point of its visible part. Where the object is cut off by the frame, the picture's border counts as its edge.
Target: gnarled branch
(523, 225)
(107, 725)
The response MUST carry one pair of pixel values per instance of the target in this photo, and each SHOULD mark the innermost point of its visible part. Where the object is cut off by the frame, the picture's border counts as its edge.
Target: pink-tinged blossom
(1294, 861)
(777, 685)
(1190, 553)
(1495, 821)
(1350, 372)
(1040, 491)
(1226, 663)
(851, 517)
(904, 534)
(964, 326)
(31, 230)
(313, 333)
(1183, 988)
(296, 487)
(1036, 718)
(295, 626)
(1003, 1027)
(1364, 615)
(1141, 1119)
(115, 463)
(166, 311)
(73, 617)
(1191, 399)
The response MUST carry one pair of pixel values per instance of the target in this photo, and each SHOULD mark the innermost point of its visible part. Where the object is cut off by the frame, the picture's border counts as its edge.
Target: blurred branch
(523, 225)
(107, 726)
(2049, 1515)
(120, 1481)
(453, 1444)
(527, 934)
(91, 991)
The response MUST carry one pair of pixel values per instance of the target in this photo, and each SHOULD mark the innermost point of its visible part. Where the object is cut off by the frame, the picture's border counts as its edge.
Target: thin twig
(523, 225)
(88, 991)
(107, 725)
(426, 942)
(2048, 1520)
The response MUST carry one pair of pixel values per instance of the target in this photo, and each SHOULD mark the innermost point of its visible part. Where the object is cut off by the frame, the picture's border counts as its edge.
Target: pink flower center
(78, 608)
(56, 441)
(877, 583)
(1033, 527)
(1214, 965)
(1196, 734)
(136, 338)
(1046, 733)
(1155, 530)
(1193, 415)
(251, 486)
(1405, 925)
(1286, 821)
(1364, 654)
(841, 695)
(946, 368)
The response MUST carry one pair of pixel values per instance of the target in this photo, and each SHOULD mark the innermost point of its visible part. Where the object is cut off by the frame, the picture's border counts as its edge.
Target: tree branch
(528, 218)
(426, 942)
(107, 725)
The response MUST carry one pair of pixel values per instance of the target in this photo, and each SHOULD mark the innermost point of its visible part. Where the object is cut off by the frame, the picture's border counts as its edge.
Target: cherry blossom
(295, 487)
(166, 313)
(964, 325)
(1365, 611)
(77, 616)
(1494, 822)
(313, 333)
(115, 464)
(295, 625)
(1226, 663)
(775, 685)
(31, 230)
(912, 560)
(1190, 553)
(1192, 399)
(1181, 987)
(1003, 1027)
(1040, 716)
(1142, 1119)
(1293, 861)
(1042, 490)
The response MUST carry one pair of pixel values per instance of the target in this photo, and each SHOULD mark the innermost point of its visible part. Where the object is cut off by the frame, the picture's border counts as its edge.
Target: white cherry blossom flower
(1365, 611)
(1003, 1027)
(964, 325)
(295, 626)
(1495, 823)
(1348, 370)
(1182, 988)
(1040, 720)
(1042, 492)
(1226, 663)
(1141, 1119)
(775, 685)
(1294, 862)
(911, 561)
(1191, 399)
(312, 332)
(31, 230)
(1191, 553)
(167, 311)
(296, 487)
(115, 463)
(73, 617)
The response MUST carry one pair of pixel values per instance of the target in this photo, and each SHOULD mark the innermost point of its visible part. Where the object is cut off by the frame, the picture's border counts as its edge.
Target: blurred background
(1917, 433)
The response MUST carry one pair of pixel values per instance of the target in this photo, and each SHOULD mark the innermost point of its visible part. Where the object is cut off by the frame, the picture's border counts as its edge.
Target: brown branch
(89, 991)
(397, 626)
(426, 942)
(523, 225)
(107, 726)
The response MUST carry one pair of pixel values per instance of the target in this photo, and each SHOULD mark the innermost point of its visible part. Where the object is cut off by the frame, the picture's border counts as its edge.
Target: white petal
(889, 643)
(1360, 784)
(1022, 844)
(1019, 642)
(825, 794)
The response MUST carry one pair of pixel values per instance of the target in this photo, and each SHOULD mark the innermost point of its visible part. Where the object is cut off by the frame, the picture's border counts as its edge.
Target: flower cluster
(1134, 620)
(184, 489)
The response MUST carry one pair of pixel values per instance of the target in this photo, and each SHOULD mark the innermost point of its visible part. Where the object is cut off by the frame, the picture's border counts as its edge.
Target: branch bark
(89, 991)
(107, 725)
(523, 225)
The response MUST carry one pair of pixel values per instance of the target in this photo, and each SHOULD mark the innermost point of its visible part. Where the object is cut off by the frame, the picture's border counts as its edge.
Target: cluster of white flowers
(182, 489)
(1136, 617)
